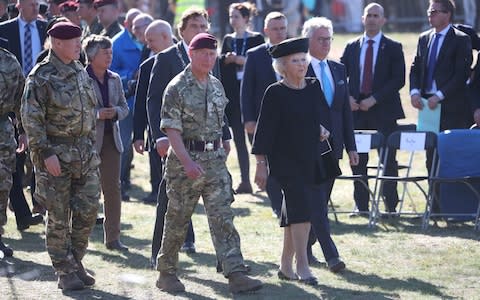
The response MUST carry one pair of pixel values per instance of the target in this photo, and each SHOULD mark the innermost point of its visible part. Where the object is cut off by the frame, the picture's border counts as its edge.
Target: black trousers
(162, 202)
(17, 197)
(155, 170)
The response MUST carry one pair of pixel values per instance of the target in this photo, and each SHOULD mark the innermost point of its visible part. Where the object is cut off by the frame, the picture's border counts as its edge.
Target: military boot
(7, 251)
(84, 276)
(70, 282)
(170, 283)
(238, 282)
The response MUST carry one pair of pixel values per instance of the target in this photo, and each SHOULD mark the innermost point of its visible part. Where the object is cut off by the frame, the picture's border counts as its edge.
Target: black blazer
(474, 86)
(140, 119)
(340, 123)
(258, 75)
(9, 30)
(167, 65)
(451, 70)
(388, 77)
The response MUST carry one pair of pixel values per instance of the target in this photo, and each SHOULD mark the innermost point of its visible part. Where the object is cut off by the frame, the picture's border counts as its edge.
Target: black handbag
(327, 167)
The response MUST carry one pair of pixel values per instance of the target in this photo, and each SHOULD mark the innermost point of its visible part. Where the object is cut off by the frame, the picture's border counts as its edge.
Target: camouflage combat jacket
(11, 85)
(197, 113)
(58, 101)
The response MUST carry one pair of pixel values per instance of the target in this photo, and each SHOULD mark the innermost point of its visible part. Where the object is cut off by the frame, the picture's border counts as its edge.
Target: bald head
(158, 36)
(139, 24)
(377, 6)
(131, 14)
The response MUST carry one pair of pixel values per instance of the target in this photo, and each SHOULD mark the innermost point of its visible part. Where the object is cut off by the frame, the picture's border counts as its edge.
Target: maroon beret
(68, 6)
(100, 3)
(65, 31)
(203, 41)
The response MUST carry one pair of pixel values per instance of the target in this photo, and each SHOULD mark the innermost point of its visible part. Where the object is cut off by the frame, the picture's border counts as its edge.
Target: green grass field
(395, 260)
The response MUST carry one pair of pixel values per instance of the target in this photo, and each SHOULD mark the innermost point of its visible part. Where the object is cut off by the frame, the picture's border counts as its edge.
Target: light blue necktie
(327, 88)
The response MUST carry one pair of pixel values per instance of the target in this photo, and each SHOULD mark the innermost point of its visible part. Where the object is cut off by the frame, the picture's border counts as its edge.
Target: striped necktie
(27, 50)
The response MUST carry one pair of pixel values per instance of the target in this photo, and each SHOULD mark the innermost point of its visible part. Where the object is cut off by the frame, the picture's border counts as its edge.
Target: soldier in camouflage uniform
(58, 112)
(11, 87)
(192, 117)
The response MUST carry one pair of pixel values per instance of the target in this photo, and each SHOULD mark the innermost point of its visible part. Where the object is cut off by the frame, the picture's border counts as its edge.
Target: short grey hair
(313, 24)
(93, 43)
(278, 65)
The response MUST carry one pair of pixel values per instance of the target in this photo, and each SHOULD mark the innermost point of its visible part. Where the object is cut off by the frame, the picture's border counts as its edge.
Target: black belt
(202, 146)
(68, 140)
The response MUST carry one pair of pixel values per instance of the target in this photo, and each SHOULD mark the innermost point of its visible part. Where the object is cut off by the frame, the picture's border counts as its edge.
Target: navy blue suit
(337, 120)
(258, 75)
(388, 79)
(9, 30)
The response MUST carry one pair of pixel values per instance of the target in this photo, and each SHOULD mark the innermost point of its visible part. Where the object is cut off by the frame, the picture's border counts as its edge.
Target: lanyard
(244, 45)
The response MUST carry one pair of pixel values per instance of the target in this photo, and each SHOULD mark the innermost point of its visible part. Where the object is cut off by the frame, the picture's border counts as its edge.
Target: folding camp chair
(367, 141)
(409, 142)
(406, 169)
(455, 188)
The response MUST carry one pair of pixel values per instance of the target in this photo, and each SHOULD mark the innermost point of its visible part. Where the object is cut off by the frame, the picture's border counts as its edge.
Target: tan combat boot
(170, 283)
(238, 282)
(70, 282)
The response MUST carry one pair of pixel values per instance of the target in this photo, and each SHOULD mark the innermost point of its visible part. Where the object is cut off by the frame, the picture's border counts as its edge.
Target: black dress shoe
(7, 251)
(335, 265)
(244, 188)
(28, 221)
(116, 245)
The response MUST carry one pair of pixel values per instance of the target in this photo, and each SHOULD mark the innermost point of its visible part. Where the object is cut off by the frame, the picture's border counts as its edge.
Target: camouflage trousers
(215, 187)
(7, 167)
(72, 201)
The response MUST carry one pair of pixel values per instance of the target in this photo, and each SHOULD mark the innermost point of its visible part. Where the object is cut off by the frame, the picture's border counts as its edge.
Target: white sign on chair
(412, 141)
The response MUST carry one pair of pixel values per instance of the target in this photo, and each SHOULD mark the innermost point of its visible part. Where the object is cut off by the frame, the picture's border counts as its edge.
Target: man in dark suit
(441, 77)
(376, 72)
(15, 31)
(158, 37)
(167, 65)
(258, 75)
(333, 81)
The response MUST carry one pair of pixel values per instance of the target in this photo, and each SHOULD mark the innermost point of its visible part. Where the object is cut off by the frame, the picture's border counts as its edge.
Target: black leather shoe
(7, 251)
(335, 265)
(244, 188)
(116, 245)
(282, 276)
(309, 281)
(125, 197)
(188, 247)
(28, 221)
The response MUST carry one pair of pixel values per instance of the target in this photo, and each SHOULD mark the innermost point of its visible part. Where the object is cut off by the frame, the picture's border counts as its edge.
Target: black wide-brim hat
(290, 46)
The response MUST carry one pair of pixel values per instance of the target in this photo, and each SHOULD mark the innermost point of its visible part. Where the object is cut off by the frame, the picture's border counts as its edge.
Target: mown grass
(395, 260)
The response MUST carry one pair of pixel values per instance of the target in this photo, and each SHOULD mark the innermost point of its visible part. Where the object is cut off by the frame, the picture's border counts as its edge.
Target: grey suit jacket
(116, 98)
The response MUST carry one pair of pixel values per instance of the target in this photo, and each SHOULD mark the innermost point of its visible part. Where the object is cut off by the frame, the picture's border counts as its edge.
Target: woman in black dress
(234, 49)
(289, 134)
